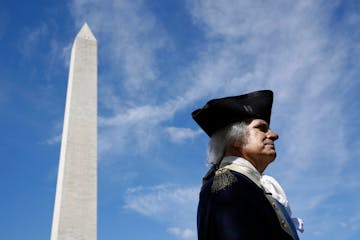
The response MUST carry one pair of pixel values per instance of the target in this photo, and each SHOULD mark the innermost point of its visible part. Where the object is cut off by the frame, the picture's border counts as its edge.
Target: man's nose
(272, 135)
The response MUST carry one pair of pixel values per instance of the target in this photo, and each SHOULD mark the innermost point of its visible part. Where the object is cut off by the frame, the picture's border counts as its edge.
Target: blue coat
(237, 209)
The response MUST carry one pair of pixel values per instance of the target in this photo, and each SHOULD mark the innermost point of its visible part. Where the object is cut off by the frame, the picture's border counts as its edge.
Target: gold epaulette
(223, 178)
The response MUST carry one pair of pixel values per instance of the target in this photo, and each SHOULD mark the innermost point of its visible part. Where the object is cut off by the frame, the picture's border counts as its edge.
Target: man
(233, 204)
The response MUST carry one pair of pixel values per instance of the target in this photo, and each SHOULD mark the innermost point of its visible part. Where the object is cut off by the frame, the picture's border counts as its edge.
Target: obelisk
(75, 210)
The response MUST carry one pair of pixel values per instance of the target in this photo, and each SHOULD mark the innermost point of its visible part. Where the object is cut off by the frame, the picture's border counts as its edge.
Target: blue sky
(158, 61)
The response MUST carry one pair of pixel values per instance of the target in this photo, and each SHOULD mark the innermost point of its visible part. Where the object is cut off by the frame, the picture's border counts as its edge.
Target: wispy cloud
(179, 135)
(32, 39)
(133, 36)
(186, 233)
(4, 21)
(352, 223)
(135, 126)
(159, 202)
(54, 140)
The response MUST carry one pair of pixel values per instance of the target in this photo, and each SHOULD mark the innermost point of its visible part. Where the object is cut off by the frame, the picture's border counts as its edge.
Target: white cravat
(267, 182)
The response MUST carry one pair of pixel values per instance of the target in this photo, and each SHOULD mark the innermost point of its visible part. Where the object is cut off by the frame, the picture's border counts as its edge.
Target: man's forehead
(258, 121)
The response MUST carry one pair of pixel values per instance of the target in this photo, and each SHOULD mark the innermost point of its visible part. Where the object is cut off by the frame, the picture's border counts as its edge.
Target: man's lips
(269, 144)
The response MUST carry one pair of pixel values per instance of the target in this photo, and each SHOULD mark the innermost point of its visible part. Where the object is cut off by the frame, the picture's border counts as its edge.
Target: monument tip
(85, 32)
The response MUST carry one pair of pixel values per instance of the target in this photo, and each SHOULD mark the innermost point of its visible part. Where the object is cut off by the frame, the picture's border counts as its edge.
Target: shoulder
(227, 183)
(223, 179)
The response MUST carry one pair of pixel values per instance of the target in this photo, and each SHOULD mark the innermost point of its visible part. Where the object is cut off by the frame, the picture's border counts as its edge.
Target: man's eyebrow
(261, 124)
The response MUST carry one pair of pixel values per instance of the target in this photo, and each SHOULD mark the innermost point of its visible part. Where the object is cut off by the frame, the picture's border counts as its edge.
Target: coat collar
(242, 166)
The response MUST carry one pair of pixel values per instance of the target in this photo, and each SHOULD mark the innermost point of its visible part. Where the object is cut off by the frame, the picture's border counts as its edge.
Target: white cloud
(352, 223)
(54, 140)
(161, 200)
(133, 36)
(169, 203)
(32, 39)
(135, 128)
(4, 22)
(179, 135)
(55, 134)
(186, 233)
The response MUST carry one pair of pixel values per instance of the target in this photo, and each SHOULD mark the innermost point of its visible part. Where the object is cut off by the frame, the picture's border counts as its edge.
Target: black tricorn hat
(220, 112)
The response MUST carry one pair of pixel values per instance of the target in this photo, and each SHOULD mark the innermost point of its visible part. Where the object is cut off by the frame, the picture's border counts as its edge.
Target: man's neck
(260, 169)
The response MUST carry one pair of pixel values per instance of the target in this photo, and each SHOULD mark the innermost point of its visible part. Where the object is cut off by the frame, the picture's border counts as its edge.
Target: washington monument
(75, 210)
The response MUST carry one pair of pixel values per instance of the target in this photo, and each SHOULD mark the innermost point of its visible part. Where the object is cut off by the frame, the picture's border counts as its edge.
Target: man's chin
(271, 157)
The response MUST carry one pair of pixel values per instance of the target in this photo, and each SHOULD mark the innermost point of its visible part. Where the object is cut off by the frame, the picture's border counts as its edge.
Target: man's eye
(263, 128)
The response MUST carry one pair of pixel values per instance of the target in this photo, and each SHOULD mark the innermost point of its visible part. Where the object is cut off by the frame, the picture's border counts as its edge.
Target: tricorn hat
(220, 112)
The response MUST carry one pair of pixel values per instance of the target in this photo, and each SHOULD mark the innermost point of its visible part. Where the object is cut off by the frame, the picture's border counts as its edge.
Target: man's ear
(235, 148)
(237, 144)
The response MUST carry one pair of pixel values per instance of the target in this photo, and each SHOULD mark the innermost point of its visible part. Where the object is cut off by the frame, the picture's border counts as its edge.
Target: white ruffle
(271, 185)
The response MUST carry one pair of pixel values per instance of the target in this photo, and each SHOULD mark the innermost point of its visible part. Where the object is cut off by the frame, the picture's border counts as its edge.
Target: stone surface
(75, 210)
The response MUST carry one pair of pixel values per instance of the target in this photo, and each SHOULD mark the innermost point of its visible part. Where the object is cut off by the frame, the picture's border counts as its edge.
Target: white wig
(221, 139)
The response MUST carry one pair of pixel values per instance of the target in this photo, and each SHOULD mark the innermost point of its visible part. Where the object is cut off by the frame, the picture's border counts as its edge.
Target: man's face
(259, 148)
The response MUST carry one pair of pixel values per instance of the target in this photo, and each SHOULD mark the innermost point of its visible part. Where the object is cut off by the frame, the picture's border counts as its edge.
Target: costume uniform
(233, 206)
